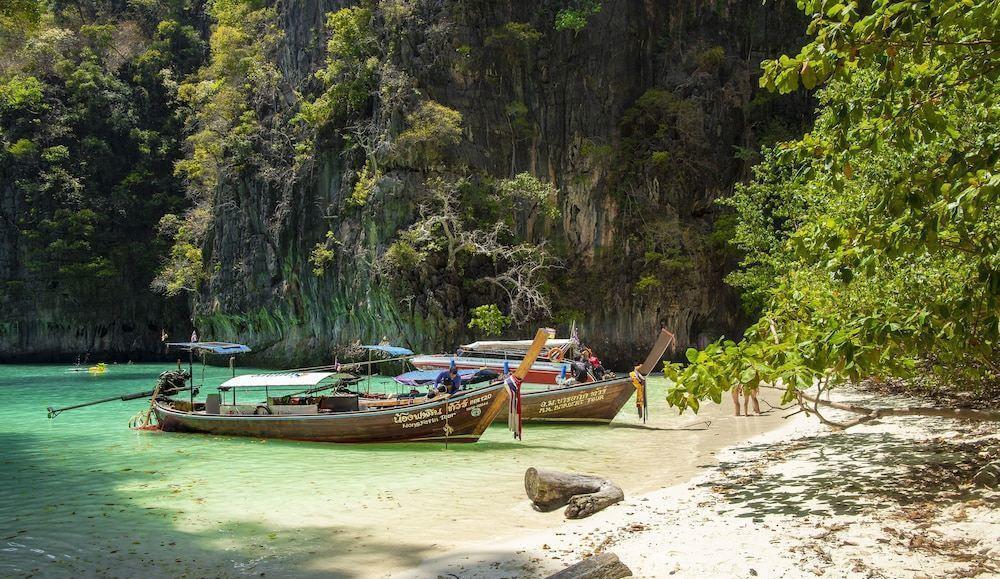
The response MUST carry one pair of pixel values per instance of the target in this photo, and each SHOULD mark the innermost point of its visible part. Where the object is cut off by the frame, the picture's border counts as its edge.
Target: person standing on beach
(748, 395)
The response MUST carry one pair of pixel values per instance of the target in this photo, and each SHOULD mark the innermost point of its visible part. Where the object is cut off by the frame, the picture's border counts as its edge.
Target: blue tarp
(211, 347)
(391, 350)
(418, 377)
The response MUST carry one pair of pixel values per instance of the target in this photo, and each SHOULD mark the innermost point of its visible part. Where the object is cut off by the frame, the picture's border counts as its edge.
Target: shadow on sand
(845, 473)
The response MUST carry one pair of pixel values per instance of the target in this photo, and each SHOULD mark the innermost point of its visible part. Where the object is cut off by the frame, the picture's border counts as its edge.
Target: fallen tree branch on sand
(603, 566)
(582, 494)
(868, 414)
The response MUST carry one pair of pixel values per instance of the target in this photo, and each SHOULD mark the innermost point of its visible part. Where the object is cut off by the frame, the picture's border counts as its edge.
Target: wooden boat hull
(461, 418)
(540, 372)
(597, 401)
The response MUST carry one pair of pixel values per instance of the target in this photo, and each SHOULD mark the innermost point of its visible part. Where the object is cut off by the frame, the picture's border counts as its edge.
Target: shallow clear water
(82, 495)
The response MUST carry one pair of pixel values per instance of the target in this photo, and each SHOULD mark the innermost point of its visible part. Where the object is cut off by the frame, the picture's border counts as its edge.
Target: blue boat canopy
(391, 350)
(210, 347)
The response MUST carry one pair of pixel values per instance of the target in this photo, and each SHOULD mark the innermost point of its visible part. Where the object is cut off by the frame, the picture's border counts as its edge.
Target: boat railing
(496, 354)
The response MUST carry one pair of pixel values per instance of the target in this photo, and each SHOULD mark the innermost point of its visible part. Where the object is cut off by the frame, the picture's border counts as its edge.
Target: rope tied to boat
(168, 382)
(143, 420)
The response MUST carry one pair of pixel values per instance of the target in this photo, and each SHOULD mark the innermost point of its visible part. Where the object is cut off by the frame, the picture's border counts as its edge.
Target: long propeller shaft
(53, 412)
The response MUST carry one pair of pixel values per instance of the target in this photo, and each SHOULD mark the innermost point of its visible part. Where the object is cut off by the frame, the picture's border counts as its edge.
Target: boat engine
(172, 381)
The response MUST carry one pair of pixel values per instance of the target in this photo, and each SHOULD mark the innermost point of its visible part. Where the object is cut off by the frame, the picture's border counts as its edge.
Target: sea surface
(82, 495)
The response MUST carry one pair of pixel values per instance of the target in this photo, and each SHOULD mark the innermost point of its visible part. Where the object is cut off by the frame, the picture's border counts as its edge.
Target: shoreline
(543, 551)
(798, 500)
(232, 507)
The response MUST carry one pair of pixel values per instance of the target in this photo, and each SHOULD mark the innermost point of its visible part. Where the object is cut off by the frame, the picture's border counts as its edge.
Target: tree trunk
(603, 566)
(583, 494)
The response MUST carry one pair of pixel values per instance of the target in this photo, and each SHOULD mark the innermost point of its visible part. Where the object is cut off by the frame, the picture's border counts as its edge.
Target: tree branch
(868, 414)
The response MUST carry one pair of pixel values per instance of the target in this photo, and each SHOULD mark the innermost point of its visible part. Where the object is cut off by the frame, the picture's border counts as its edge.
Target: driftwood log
(582, 494)
(603, 566)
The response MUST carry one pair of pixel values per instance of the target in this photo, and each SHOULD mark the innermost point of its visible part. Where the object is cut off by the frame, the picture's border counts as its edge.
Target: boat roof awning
(278, 379)
(514, 345)
(391, 350)
(210, 347)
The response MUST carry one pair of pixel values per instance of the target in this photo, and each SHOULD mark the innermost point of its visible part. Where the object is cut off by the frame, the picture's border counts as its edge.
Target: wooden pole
(191, 371)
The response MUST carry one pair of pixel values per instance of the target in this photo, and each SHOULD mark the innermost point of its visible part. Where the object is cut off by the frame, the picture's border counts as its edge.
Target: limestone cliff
(641, 114)
(641, 118)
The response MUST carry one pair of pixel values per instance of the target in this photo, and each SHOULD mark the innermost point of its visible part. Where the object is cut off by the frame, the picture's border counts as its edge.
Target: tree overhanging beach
(872, 244)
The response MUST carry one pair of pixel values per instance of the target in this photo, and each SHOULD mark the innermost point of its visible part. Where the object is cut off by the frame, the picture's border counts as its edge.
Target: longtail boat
(598, 401)
(460, 418)
(343, 416)
(551, 367)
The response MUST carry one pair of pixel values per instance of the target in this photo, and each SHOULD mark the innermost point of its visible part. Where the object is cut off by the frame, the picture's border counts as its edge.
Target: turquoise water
(83, 495)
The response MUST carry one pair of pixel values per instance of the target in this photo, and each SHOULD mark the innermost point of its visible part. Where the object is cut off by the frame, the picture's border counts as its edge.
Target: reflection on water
(84, 495)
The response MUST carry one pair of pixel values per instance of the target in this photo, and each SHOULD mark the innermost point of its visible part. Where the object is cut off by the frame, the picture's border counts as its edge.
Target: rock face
(43, 321)
(44, 318)
(642, 119)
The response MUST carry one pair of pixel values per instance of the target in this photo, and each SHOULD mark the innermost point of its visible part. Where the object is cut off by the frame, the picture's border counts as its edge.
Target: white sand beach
(889, 498)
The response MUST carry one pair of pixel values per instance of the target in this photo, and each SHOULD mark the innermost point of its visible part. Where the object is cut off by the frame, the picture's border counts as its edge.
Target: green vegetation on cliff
(350, 75)
(88, 140)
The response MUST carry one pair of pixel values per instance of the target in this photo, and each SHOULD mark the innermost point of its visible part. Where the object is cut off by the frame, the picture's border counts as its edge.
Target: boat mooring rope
(143, 420)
